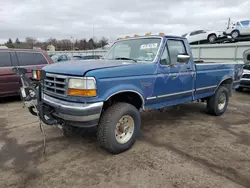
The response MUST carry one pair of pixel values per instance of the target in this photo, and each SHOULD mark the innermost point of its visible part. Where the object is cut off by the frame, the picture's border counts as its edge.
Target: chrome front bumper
(75, 114)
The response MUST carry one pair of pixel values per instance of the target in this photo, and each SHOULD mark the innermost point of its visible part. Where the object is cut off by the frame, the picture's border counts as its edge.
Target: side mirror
(21, 71)
(15, 70)
(183, 58)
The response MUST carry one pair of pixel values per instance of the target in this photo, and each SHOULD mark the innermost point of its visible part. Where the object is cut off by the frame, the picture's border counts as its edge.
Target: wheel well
(228, 83)
(129, 97)
(235, 30)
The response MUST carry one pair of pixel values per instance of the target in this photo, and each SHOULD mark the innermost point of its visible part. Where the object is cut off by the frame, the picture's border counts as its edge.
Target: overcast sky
(43, 19)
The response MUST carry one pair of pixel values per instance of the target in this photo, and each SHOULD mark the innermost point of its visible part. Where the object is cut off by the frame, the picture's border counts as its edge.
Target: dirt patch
(179, 147)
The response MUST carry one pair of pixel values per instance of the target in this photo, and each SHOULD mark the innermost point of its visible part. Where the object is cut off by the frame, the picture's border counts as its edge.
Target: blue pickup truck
(139, 73)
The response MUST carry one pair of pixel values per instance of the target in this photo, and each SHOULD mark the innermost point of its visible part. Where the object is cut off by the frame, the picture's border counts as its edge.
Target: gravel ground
(181, 147)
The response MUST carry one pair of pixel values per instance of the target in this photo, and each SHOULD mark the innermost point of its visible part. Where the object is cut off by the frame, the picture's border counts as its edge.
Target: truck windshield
(141, 49)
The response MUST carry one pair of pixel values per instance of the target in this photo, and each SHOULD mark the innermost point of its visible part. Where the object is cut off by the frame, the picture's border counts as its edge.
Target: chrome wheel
(124, 129)
(222, 101)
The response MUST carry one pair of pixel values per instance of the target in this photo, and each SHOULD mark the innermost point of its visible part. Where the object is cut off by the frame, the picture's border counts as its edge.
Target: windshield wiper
(125, 58)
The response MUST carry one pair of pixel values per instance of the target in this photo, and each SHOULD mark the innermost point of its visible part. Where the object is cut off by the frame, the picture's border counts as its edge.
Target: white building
(3, 47)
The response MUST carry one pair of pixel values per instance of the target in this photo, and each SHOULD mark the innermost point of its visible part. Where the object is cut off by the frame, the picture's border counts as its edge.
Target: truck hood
(80, 67)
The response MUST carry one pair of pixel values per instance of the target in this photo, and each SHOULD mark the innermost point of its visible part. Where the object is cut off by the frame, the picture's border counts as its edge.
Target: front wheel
(235, 34)
(118, 127)
(217, 104)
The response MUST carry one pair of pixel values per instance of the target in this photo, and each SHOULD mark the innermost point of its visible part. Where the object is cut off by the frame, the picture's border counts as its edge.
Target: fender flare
(127, 90)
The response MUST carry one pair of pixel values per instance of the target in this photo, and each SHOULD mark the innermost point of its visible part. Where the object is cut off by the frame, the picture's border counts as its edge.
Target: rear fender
(228, 83)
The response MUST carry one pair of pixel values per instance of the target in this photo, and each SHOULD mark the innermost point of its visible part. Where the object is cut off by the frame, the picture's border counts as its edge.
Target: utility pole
(228, 23)
(72, 41)
(93, 33)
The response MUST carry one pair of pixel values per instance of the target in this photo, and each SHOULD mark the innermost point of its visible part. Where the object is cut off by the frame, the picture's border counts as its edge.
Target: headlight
(82, 87)
(36, 74)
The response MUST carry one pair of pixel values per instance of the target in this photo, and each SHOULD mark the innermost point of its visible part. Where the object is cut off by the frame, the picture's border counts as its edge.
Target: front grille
(55, 84)
(246, 76)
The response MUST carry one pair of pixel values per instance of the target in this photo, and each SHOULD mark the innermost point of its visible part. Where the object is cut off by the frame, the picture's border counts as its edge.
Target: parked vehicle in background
(84, 57)
(60, 57)
(245, 79)
(203, 36)
(240, 28)
(9, 58)
(137, 73)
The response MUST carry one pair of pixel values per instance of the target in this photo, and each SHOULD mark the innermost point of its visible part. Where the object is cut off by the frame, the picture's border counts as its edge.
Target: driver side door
(175, 80)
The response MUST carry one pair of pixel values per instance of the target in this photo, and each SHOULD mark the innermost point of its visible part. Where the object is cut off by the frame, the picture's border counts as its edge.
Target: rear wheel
(217, 104)
(118, 127)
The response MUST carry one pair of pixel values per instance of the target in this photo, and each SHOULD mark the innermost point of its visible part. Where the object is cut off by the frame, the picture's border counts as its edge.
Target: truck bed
(209, 75)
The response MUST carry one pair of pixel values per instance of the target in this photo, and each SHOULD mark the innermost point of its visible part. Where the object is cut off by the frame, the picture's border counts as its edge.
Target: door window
(175, 47)
(5, 60)
(26, 59)
(14, 58)
(165, 57)
(193, 33)
(200, 32)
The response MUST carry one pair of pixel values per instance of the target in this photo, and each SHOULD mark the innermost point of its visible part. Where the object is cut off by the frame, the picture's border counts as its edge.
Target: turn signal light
(82, 92)
(36, 74)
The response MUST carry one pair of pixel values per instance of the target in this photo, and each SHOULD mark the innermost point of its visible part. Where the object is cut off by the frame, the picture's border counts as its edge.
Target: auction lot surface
(182, 147)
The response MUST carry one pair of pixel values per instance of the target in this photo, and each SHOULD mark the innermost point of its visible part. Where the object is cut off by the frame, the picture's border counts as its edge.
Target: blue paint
(159, 85)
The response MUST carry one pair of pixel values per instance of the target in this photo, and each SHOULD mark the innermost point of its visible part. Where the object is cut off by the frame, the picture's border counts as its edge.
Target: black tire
(235, 34)
(240, 89)
(107, 127)
(212, 38)
(213, 101)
